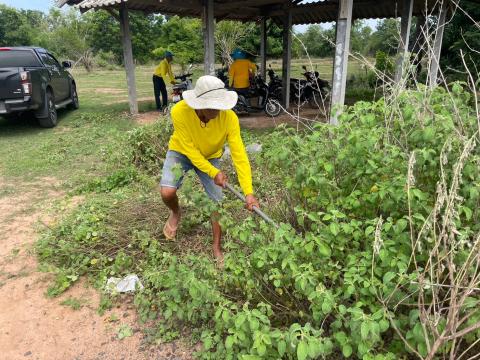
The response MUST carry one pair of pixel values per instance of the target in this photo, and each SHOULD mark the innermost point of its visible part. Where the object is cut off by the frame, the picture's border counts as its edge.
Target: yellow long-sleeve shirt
(200, 143)
(239, 73)
(163, 70)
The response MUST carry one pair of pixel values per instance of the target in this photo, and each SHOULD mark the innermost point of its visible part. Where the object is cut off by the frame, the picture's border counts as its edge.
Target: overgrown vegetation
(377, 256)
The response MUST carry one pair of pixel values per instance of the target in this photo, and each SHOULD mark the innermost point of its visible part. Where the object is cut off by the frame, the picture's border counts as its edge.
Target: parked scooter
(274, 85)
(185, 84)
(312, 89)
(258, 89)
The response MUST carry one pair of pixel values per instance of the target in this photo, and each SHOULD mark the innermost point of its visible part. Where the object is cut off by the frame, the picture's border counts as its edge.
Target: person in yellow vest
(162, 71)
(240, 71)
(203, 122)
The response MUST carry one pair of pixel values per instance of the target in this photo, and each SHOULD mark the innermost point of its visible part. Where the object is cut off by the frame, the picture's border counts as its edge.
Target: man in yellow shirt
(203, 122)
(160, 74)
(240, 71)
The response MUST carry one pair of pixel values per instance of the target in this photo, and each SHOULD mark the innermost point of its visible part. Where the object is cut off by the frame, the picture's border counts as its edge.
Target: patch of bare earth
(124, 99)
(109, 91)
(33, 326)
(303, 117)
(147, 117)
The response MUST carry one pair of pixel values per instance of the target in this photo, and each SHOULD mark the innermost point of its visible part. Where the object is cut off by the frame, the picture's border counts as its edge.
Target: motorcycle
(222, 75)
(258, 89)
(274, 85)
(312, 89)
(185, 84)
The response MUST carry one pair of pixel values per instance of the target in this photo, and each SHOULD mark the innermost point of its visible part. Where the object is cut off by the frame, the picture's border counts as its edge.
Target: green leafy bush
(147, 146)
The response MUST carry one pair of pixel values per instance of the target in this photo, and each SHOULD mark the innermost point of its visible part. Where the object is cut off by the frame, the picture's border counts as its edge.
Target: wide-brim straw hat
(210, 93)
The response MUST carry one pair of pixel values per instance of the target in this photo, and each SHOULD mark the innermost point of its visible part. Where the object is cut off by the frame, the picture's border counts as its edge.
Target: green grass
(73, 303)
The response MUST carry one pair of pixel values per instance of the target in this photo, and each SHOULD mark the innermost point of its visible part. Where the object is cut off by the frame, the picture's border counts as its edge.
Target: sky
(44, 5)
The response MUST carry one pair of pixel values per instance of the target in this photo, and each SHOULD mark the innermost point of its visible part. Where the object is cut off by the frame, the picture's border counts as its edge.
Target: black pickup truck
(31, 79)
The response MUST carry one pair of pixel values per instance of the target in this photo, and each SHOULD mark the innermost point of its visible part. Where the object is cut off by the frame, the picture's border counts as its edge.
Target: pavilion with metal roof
(286, 13)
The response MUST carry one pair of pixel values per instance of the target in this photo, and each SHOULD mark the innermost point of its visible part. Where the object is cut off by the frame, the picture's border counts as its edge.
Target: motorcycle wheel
(273, 108)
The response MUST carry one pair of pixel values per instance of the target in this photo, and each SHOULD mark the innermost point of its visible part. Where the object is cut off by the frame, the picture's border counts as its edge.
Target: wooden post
(208, 37)
(342, 47)
(437, 45)
(287, 55)
(128, 59)
(263, 47)
(406, 23)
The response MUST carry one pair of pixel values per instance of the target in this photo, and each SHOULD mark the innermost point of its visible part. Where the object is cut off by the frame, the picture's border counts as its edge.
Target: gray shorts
(169, 179)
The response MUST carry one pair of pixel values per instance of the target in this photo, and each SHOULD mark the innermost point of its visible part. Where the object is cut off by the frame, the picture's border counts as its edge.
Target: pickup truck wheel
(51, 119)
(74, 105)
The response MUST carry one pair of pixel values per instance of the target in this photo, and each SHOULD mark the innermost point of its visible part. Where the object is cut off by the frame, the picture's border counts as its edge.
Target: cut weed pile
(376, 215)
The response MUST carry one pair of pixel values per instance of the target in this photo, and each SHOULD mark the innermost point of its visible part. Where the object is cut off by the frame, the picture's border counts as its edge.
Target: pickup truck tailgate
(10, 83)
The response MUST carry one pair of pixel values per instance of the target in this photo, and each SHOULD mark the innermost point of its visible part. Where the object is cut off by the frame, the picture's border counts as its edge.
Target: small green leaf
(334, 229)
(240, 320)
(364, 330)
(229, 342)
(261, 349)
(387, 278)
(422, 349)
(124, 331)
(347, 350)
(302, 350)
(324, 249)
(281, 347)
(384, 325)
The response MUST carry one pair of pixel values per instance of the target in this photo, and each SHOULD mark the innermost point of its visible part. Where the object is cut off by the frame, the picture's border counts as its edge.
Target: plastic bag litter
(251, 149)
(254, 148)
(129, 283)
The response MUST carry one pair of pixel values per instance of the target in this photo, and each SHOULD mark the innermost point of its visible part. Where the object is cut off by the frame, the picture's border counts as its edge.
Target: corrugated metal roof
(89, 4)
(303, 12)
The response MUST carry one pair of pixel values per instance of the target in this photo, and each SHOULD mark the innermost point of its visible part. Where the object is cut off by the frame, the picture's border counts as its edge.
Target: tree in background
(228, 36)
(65, 34)
(17, 26)
(462, 34)
(104, 35)
(318, 41)
(386, 37)
(360, 38)
(181, 36)
(246, 36)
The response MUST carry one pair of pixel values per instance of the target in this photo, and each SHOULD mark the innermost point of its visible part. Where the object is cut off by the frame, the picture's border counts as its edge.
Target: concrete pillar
(263, 47)
(417, 45)
(287, 56)
(208, 37)
(437, 45)
(405, 25)
(342, 47)
(128, 59)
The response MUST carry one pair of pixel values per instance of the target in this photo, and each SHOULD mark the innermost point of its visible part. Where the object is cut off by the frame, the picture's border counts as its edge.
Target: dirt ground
(302, 118)
(33, 326)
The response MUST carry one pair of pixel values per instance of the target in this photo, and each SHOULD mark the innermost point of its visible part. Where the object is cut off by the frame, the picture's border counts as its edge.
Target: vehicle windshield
(18, 58)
